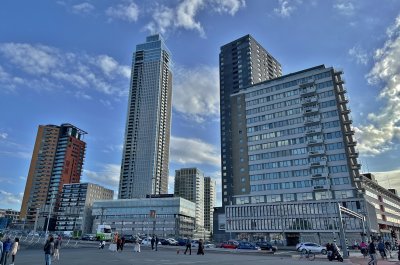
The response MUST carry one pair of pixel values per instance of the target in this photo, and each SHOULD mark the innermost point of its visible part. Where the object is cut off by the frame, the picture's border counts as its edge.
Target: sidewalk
(364, 261)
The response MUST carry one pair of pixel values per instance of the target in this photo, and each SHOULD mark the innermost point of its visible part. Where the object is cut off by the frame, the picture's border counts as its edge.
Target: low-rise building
(161, 215)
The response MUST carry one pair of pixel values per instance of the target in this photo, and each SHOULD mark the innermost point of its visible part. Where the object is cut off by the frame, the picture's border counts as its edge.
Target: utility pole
(36, 219)
(49, 215)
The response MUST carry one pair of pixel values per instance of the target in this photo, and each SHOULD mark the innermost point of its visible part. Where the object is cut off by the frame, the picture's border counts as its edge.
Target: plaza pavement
(91, 255)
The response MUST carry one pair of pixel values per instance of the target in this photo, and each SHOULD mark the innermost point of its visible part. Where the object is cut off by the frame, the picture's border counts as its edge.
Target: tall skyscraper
(242, 63)
(210, 198)
(189, 184)
(57, 159)
(144, 167)
(295, 137)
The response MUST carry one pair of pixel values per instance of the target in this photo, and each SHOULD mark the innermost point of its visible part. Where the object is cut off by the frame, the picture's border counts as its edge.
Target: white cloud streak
(344, 7)
(359, 55)
(44, 67)
(383, 129)
(10, 200)
(190, 152)
(184, 14)
(128, 11)
(196, 92)
(285, 9)
(83, 8)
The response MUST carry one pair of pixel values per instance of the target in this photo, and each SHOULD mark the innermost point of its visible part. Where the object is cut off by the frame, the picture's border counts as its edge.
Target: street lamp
(49, 214)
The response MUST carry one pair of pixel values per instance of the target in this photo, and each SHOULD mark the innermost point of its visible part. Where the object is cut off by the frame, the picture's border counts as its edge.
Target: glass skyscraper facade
(145, 157)
(242, 63)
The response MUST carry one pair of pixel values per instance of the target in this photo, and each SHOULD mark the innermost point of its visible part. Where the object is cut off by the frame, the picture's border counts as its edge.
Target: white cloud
(359, 55)
(108, 176)
(344, 7)
(128, 11)
(49, 68)
(188, 151)
(285, 9)
(384, 127)
(196, 92)
(3, 135)
(228, 6)
(389, 179)
(11, 200)
(84, 8)
(184, 14)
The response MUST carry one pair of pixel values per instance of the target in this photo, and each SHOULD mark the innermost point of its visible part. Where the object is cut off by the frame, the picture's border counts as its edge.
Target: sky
(68, 61)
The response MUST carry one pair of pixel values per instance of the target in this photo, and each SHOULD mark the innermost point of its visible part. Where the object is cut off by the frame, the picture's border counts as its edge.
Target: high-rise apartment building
(210, 198)
(144, 168)
(75, 211)
(296, 159)
(57, 159)
(189, 184)
(242, 63)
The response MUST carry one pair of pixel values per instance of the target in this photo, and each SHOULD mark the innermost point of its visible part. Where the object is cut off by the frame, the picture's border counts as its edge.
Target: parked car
(172, 242)
(147, 241)
(195, 243)
(230, 244)
(132, 239)
(89, 237)
(312, 247)
(247, 245)
(266, 246)
(209, 245)
(181, 241)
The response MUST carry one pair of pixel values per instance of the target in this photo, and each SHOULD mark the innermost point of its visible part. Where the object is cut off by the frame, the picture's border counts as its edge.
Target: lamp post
(49, 214)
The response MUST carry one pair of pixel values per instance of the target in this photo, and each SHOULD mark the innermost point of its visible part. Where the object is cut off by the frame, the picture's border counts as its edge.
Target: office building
(8, 217)
(57, 159)
(294, 154)
(210, 198)
(145, 157)
(162, 216)
(242, 63)
(75, 212)
(189, 184)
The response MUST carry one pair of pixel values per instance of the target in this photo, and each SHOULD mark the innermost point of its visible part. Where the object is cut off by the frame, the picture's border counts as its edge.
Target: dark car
(266, 246)
(181, 241)
(164, 241)
(247, 245)
(88, 237)
(130, 239)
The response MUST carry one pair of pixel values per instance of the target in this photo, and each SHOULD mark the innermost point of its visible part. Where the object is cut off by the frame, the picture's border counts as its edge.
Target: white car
(147, 242)
(311, 247)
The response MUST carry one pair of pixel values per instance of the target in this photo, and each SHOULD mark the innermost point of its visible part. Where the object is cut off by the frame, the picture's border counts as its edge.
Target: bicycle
(307, 254)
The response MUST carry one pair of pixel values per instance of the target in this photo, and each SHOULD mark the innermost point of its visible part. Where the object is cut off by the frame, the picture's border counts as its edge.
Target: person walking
(381, 249)
(152, 241)
(118, 244)
(6, 251)
(14, 250)
(188, 246)
(49, 249)
(200, 250)
(122, 243)
(156, 242)
(136, 247)
(372, 253)
(57, 247)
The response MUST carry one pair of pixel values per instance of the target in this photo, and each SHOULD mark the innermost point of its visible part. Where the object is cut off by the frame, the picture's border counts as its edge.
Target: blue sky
(69, 61)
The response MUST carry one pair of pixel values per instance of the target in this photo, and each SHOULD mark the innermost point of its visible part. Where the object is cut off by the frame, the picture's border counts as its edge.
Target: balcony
(311, 120)
(316, 153)
(308, 91)
(348, 121)
(310, 110)
(343, 100)
(314, 130)
(341, 90)
(353, 155)
(345, 111)
(321, 163)
(356, 166)
(320, 175)
(348, 133)
(315, 141)
(322, 187)
(352, 143)
(306, 101)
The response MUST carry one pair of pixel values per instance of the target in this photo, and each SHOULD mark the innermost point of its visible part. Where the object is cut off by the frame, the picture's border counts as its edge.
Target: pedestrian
(388, 248)
(381, 249)
(118, 244)
(372, 253)
(122, 243)
(14, 250)
(188, 246)
(200, 250)
(1, 250)
(152, 241)
(57, 246)
(49, 249)
(6, 251)
(156, 242)
(136, 247)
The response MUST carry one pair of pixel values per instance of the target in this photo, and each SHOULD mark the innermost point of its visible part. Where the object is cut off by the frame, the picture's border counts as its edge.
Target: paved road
(167, 256)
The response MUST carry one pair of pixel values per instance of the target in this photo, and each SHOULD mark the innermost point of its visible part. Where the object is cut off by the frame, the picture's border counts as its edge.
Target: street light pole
(49, 215)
